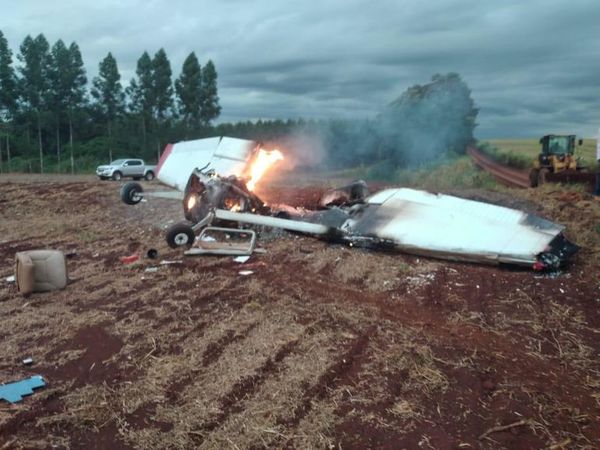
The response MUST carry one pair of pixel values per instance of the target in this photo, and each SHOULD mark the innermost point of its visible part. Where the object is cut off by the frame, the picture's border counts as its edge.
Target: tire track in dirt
(232, 402)
(256, 421)
(426, 320)
(186, 335)
(215, 349)
(211, 354)
(338, 373)
(265, 346)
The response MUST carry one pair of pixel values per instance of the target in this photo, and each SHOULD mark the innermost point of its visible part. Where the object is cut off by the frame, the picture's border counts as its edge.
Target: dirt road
(512, 177)
(509, 176)
(322, 346)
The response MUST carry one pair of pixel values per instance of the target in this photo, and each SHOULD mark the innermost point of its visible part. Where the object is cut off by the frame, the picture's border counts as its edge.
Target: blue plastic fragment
(14, 392)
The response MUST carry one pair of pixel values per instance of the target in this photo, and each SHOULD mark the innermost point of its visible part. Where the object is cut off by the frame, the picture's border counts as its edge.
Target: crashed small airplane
(220, 193)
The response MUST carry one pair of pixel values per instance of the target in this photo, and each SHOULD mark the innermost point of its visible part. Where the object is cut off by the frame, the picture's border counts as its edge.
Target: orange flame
(233, 204)
(263, 160)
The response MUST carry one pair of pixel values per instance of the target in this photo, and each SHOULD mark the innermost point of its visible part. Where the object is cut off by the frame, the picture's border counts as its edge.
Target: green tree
(163, 89)
(188, 88)
(108, 94)
(34, 82)
(141, 94)
(210, 108)
(60, 62)
(76, 95)
(163, 92)
(8, 93)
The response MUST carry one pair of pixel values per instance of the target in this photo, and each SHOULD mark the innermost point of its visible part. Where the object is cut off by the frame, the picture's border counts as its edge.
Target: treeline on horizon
(54, 119)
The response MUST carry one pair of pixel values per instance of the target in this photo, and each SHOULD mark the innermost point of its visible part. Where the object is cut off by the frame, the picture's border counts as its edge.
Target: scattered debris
(165, 262)
(403, 219)
(40, 271)
(14, 392)
(245, 272)
(346, 195)
(152, 269)
(241, 259)
(225, 241)
(10, 279)
(152, 253)
(129, 259)
(28, 361)
(549, 274)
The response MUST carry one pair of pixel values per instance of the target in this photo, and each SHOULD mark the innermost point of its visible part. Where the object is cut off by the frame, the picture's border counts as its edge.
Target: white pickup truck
(134, 168)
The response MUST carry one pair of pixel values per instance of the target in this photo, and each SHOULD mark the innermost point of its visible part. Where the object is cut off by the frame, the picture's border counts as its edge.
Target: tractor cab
(558, 145)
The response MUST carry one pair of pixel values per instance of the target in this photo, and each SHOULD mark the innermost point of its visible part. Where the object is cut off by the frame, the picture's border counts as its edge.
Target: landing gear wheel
(149, 176)
(180, 235)
(131, 193)
(543, 176)
(117, 176)
(534, 175)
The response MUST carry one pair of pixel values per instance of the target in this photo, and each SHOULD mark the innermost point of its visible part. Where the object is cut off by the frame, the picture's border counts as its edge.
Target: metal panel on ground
(425, 223)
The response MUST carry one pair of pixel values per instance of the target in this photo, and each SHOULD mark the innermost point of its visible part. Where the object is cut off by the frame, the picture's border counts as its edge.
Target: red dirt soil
(321, 346)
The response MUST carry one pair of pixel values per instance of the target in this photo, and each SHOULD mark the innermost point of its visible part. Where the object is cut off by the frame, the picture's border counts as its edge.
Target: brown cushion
(40, 271)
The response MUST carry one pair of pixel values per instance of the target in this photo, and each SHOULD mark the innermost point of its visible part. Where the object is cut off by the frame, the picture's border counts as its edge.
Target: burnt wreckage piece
(205, 191)
(407, 220)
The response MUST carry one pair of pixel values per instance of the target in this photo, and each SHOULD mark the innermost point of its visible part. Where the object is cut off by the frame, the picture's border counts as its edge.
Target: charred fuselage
(206, 191)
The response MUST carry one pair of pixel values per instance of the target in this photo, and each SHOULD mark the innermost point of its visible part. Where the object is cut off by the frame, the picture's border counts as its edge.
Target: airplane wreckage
(219, 193)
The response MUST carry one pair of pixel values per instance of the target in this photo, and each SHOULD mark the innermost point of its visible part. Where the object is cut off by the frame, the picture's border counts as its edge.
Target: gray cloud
(532, 66)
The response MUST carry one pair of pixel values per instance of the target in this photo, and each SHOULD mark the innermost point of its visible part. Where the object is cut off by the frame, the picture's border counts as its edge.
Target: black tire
(131, 193)
(543, 176)
(149, 176)
(117, 176)
(180, 235)
(533, 177)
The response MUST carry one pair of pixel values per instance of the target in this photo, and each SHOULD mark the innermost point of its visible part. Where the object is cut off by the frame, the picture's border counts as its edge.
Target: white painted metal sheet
(227, 156)
(425, 223)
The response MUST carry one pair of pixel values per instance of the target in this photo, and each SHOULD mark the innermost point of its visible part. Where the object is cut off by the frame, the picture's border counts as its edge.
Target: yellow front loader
(557, 157)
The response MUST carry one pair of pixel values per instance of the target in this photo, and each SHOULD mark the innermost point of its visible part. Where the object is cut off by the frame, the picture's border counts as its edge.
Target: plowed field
(322, 346)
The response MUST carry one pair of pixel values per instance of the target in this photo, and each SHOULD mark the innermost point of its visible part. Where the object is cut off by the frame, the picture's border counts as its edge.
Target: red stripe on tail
(163, 157)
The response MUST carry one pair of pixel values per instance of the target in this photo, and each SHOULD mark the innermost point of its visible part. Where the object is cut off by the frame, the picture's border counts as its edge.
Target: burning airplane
(219, 191)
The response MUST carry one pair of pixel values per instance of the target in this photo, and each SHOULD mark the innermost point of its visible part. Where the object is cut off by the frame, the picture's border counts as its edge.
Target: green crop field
(528, 149)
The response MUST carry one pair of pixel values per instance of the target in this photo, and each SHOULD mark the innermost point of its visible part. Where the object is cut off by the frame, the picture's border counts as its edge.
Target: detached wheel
(131, 193)
(180, 235)
(117, 176)
(149, 176)
(533, 177)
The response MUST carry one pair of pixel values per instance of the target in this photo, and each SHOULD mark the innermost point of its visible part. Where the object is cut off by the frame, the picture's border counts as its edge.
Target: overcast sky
(533, 66)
